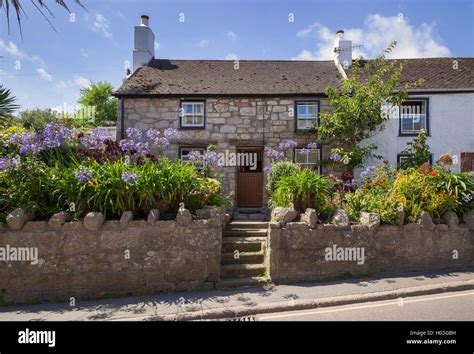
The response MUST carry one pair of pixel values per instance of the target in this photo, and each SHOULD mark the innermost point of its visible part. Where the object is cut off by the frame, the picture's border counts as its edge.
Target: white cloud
(378, 32)
(12, 49)
(157, 45)
(102, 25)
(44, 74)
(81, 81)
(204, 43)
(231, 56)
(84, 53)
(231, 35)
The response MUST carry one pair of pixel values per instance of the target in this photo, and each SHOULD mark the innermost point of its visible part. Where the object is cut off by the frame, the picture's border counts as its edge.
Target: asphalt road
(453, 306)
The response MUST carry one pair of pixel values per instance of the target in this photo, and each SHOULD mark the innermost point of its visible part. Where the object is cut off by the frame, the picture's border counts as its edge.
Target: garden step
(242, 271)
(243, 258)
(248, 225)
(241, 282)
(242, 244)
(255, 217)
(244, 232)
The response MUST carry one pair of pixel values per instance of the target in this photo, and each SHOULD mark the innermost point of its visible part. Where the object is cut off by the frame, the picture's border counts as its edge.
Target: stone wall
(230, 123)
(88, 259)
(298, 253)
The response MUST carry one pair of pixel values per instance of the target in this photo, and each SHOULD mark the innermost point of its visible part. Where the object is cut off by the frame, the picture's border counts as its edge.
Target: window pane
(198, 108)
(198, 120)
(188, 120)
(313, 111)
(299, 158)
(301, 110)
(187, 108)
(313, 156)
(407, 124)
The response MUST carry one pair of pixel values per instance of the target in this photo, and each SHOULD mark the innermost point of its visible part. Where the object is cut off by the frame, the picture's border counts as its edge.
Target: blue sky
(47, 69)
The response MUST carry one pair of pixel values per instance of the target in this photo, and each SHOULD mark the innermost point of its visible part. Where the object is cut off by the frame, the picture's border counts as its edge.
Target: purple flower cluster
(141, 144)
(7, 164)
(287, 145)
(335, 156)
(84, 175)
(55, 135)
(52, 136)
(96, 139)
(307, 150)
(129, 178)
(205, 158)
(367, 173)
(274, 154)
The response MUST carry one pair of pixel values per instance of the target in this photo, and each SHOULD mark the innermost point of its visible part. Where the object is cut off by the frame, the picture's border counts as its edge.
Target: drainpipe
(339, 35)
(122, 117)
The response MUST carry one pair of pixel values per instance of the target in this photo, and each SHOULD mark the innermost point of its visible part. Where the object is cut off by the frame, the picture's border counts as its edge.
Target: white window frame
(415, 117)
(309, 122)
(193, 114)
(308, 164)
(184, 158)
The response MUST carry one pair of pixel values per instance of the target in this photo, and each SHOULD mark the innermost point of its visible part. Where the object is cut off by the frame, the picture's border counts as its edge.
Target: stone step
(244, 233)
(255, 217)
(241, 282)
(242, 271)
(243, 258)
(248, 225)
(249, 210)
(242, 244)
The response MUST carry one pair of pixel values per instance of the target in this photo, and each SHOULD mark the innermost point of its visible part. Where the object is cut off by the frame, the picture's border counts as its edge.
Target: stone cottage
(243, 106)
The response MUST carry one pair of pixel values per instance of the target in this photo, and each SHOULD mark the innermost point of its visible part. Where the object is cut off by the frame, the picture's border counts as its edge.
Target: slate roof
(277, 77)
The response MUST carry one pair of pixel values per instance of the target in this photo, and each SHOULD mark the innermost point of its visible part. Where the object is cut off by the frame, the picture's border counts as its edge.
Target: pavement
(236, 303)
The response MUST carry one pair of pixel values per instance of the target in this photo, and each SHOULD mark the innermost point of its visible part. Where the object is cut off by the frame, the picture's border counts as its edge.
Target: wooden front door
(250, 179)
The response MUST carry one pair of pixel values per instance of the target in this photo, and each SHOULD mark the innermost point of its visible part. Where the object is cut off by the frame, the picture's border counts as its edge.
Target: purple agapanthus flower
(55, 135)
(7, 164)
(172, 133)
(274, 154)
(29, 143)
(84, 174)
(312, 146)
(129, 178)
(335, 156)
(305, 151)
(364, 174)
(96, 138)
(267, 169)
(287, 144)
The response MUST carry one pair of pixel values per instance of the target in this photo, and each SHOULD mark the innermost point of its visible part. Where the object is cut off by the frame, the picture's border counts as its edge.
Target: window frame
(296, 104)
(197, 147)
(427, 116)
(182, 115)
(400, 155)
(307, 164)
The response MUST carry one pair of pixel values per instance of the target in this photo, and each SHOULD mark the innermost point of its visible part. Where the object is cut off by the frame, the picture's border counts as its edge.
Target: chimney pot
(144, 20)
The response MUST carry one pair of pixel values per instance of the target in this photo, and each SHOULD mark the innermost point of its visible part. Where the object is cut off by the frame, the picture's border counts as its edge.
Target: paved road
(453, 306)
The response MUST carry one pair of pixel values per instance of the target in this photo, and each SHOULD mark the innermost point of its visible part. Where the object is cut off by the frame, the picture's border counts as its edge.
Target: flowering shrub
(279, 170)
(305, 189)
(61, 170)
(279, 154)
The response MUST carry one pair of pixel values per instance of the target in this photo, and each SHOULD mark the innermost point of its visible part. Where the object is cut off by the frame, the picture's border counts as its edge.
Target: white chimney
(342, 50)
(144, 49)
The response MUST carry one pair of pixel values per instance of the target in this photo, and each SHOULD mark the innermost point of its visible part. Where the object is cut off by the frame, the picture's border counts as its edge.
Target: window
(401, 158)
(184, 155)
(307, 114)
(308, 160)
(413, 116)
(192, 114)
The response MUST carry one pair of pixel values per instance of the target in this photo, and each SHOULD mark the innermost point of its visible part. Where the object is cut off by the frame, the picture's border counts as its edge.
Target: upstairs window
(413, 116)
(192, 115)
(308, 158)
(307, 114)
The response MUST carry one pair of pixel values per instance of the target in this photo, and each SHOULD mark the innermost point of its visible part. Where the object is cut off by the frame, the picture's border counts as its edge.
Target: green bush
(161, 184)
(371, 202)
(279, 170)
(305, 189)
(459, 185)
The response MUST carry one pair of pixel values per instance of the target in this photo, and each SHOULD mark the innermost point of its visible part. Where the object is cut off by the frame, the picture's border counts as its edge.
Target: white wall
(451, 127)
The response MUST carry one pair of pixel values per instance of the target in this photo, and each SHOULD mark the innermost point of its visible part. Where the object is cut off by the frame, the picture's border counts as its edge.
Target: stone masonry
(298, 253)
(230, 123)
(93, 258)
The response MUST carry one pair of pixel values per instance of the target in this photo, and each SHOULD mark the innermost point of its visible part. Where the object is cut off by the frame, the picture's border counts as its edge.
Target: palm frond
(7, 103)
